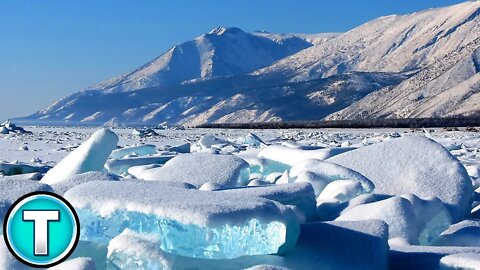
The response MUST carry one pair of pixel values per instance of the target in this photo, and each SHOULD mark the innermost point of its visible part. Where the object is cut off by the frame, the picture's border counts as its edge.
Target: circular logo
(41, 229)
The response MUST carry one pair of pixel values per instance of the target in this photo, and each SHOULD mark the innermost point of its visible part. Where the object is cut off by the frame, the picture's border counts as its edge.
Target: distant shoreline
(361, 123)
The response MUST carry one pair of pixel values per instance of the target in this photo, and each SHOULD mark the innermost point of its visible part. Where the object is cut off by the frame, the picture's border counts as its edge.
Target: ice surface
(463, 234)
(431, 217)
(292, 156)
(422, 257)
(90, 156)
(251, 140)
(120, 166)
(76, 264)
(397, 212)
(8, 127)
(78, 179)
(183, 148)
(7, 261)
(188, 222)
(27, 176)
(96, 251)
(266, 267)
(461, 261)
(320, 173)
(131, 251)
(15, 168)
(258, 183)
(476, 212)
(49, 145)
(202, 169)
(340, 245)
(136, 171)
(298, 194)
(413, 164)
(340, 191)
(332, 210)
(12, 189)
(139, 150)
(209, 142)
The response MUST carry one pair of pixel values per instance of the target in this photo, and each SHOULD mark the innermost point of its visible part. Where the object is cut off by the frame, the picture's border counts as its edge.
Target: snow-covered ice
(78, 179)
(131, 251)
(297, 194)
(90, 156)
(139, 150)
(115, 203)
(292, 156)
(413, 164)
(121, 166)
(12, 189)
(397, 212)
(76, 264)
(461, 261)
(213, 222)
(203, 170)
(463, 234)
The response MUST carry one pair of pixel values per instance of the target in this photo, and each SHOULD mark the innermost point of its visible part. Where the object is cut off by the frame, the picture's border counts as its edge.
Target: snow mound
(297, 194)
(462, 234)
(397, 212)
(340, 245)
(292, 156)
(431, 217)
(121, 166)
(251, 140)
(413, 164)
(129, 250)
(461, 261)
(78, 179)
(411, 219)
(422, 257)
(188, 222)
(183, 148)
(210, 143)
(76, 264)
(326, 172)
(340, 191)
(90, 156)
(7, 261)
(16, 169)
(12, 189)
(204, 171)
(27, 176)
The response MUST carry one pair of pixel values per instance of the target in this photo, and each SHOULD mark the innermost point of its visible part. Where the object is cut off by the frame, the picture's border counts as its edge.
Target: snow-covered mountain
(389, 44)
(424, 64)
(224, 51)
(448, 87)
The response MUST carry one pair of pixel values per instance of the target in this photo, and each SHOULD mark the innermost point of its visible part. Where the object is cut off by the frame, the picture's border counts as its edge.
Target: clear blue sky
(51, 48)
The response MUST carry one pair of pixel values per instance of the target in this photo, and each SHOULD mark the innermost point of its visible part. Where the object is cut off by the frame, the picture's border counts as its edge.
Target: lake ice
(259, 199)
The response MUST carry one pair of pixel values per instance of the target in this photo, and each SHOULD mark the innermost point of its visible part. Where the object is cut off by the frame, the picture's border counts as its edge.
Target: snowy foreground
(255, 199)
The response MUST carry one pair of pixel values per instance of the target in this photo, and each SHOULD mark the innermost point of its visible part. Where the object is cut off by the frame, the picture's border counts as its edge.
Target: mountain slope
(221, 52)
(449, 87)
(232, 99)
(387, 44)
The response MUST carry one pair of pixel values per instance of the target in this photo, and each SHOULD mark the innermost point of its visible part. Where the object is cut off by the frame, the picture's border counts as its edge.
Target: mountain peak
(226, 30)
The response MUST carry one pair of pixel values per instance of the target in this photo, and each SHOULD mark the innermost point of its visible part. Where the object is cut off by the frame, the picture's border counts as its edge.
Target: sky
(52, 48)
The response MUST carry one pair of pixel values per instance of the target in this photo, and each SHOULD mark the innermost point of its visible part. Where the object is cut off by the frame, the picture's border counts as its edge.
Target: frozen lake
(234, 199)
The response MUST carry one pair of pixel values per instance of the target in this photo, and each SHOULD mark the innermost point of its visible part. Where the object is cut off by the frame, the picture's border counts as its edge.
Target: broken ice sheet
(192, 223)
